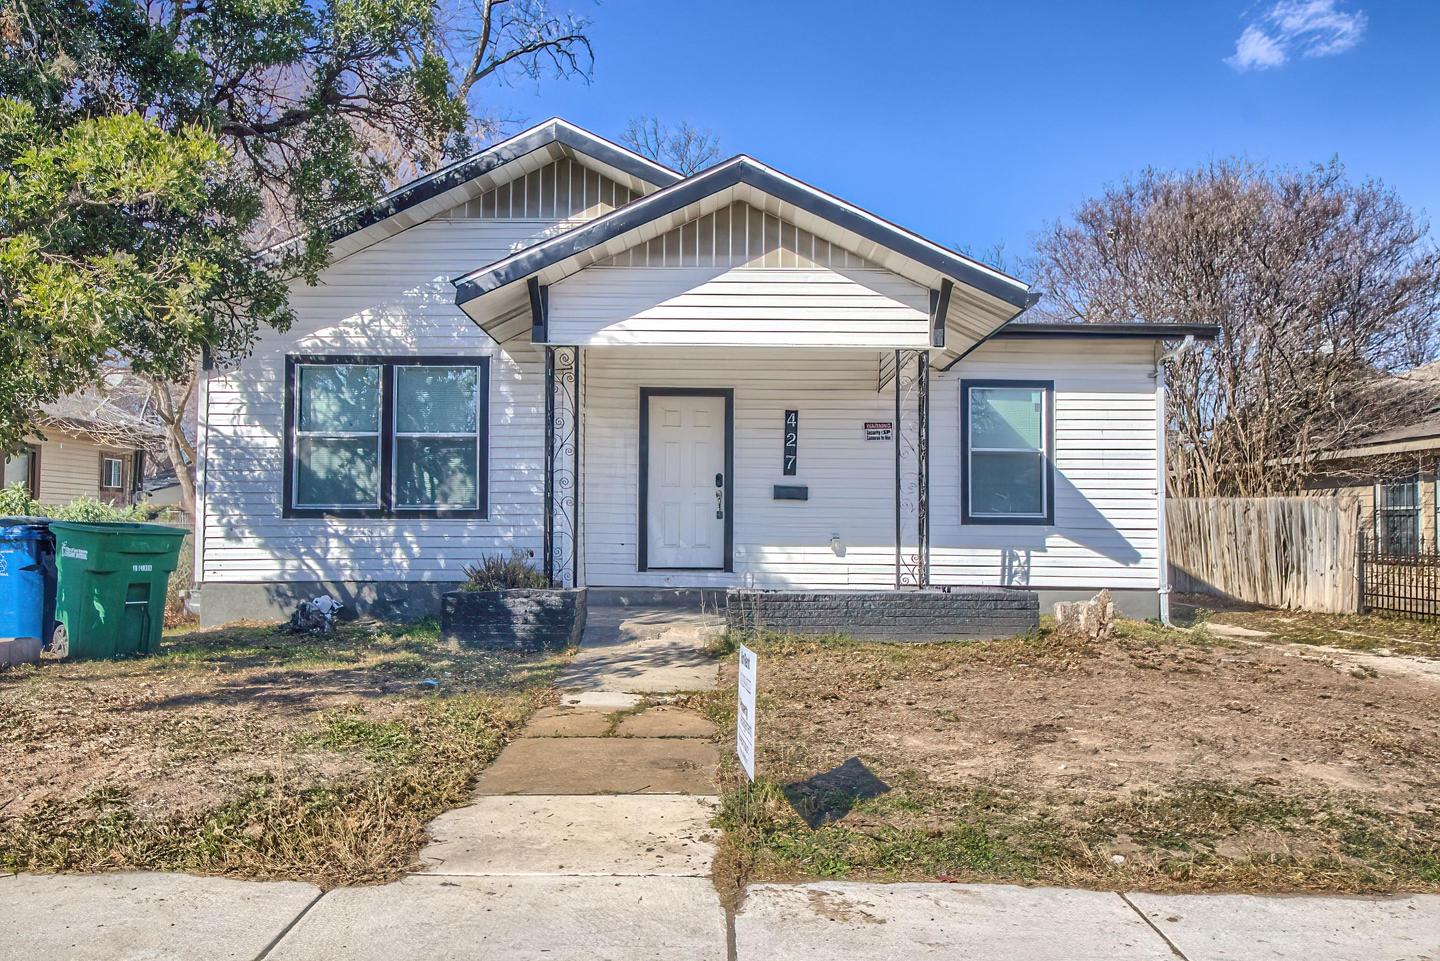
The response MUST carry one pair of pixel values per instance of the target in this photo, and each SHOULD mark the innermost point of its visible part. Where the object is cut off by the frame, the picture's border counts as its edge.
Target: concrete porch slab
(515, 919)
(917, 922)
(633, 834)
(602, 765)
(1247, 927)
(144, 915)
(644, 651)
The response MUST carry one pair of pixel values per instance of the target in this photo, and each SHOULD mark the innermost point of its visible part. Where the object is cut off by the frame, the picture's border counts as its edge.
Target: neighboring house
(650, 381)
(1393, 471)
(84, 447)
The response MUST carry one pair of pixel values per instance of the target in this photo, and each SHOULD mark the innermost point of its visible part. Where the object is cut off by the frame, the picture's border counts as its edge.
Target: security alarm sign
(881, 430)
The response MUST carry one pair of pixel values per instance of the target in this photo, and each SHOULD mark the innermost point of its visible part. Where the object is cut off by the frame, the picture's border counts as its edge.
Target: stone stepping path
(610, 782)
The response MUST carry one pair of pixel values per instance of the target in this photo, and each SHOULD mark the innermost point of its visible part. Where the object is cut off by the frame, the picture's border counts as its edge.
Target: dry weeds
(1156, 760)
(247, 753)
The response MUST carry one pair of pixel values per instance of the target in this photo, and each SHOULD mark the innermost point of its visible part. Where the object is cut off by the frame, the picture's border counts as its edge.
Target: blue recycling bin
(27, 578)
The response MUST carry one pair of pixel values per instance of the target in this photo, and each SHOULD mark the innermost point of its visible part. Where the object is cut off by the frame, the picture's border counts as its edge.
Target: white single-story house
(647, 381)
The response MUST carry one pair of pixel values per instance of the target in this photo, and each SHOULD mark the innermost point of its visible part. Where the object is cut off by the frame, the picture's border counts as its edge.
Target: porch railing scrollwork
(912, 469)
(562, 465)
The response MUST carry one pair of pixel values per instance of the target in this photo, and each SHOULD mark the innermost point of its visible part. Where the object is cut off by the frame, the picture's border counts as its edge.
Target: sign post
(745, 713)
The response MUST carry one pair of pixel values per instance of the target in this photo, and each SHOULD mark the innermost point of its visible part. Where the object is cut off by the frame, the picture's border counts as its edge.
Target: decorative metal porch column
(912, 469)
(563, 378)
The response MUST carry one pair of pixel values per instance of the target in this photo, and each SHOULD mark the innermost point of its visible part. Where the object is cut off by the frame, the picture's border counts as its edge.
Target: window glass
(1397, 515)
(337, 445)
(1007, 473)
(424, 452)
(17, 468)
(337, 471)
(110, 473)
(1006, 484)
(1007, 418)
(436, 400)
(436, 472)
(339, 399)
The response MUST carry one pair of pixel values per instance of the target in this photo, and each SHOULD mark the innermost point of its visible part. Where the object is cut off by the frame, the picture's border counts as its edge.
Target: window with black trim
(386, 436)
(1397, 514)
(112, 473)
(1007, 441)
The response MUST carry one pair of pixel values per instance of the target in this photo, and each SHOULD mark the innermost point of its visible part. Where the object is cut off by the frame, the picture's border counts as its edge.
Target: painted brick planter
(518, 620)
(962, 614)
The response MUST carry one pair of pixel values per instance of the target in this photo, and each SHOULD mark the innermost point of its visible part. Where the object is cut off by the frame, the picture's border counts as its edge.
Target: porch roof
(976, 300)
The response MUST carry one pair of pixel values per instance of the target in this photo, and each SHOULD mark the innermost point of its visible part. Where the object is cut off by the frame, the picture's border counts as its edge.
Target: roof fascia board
(732, 174)
(1015, 331)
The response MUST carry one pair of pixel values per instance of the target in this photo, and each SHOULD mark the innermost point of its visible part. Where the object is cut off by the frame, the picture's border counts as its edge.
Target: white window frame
(105, 461)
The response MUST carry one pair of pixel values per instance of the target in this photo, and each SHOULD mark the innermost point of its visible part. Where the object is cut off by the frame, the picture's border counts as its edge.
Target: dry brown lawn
(1159, 759)
(248, 753)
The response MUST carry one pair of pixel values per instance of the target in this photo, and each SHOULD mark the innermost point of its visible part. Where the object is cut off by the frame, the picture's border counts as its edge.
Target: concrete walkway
(589, 838)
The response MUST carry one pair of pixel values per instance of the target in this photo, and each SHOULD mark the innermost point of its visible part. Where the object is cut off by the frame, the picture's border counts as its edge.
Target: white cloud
(1306, 28)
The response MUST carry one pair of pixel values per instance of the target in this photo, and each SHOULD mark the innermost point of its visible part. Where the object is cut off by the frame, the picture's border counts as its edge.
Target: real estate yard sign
(745, 713)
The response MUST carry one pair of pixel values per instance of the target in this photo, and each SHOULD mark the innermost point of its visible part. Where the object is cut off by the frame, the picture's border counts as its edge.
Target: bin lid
(18, 519)
(23, 532)
(116, 527)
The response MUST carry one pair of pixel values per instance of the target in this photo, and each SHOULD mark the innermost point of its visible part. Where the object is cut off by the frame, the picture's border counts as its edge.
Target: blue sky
(976, 123)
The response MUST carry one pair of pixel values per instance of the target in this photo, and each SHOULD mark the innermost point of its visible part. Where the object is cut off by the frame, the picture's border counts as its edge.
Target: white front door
(685, 496)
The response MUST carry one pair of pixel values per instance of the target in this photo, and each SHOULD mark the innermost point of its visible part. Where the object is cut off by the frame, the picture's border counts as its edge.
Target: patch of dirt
(1122, 718)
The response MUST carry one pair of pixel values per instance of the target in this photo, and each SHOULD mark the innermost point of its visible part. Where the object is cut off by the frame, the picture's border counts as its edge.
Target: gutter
(1161, 473)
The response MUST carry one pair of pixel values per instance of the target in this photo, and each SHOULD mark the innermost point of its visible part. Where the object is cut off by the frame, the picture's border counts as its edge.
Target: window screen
(437, 443)
(337, 436)
(1007, 474)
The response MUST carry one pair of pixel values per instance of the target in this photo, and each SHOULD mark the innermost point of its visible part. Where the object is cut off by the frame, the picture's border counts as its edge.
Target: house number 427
(792, 441)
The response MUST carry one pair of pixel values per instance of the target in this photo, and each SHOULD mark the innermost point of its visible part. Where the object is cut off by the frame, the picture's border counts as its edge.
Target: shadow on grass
(827, 797)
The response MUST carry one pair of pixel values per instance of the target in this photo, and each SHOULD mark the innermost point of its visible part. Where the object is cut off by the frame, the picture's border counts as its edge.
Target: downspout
(1160, 473)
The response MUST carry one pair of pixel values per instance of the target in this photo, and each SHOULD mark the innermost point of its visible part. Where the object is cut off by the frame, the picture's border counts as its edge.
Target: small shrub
(89, 510)
(496, 573)
(15, 501)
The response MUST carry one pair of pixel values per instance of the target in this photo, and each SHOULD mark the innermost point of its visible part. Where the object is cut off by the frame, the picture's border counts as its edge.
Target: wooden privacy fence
(1295, 552)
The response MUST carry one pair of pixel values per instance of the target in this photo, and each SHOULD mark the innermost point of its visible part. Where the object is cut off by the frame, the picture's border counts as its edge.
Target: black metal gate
(1399, 578)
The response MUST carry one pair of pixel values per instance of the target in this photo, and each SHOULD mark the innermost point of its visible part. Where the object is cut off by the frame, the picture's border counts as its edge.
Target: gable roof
(990, 298)
(549, 140)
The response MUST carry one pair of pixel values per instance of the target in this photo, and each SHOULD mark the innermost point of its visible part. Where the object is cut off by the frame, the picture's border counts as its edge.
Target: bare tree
(683, 147)
(1319, 285)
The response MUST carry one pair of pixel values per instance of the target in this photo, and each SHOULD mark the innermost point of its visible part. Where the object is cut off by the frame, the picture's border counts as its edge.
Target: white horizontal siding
(394, 298)
(1105, 532)
(70, 468)
(777, 543)
(716, 306)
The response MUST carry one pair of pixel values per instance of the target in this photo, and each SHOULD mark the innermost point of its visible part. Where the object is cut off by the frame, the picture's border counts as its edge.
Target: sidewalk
(589, 838)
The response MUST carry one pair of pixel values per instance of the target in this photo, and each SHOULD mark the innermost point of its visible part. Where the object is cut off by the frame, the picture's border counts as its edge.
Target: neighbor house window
(112, 473)
(1397, 515)
(386, 437)
(1007, 440)
(22, 468)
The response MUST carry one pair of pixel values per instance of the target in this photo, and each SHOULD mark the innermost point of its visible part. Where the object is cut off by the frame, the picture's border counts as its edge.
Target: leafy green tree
(147, 148)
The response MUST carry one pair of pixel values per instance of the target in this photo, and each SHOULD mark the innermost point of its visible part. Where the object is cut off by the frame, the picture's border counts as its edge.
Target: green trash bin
(111, 595)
